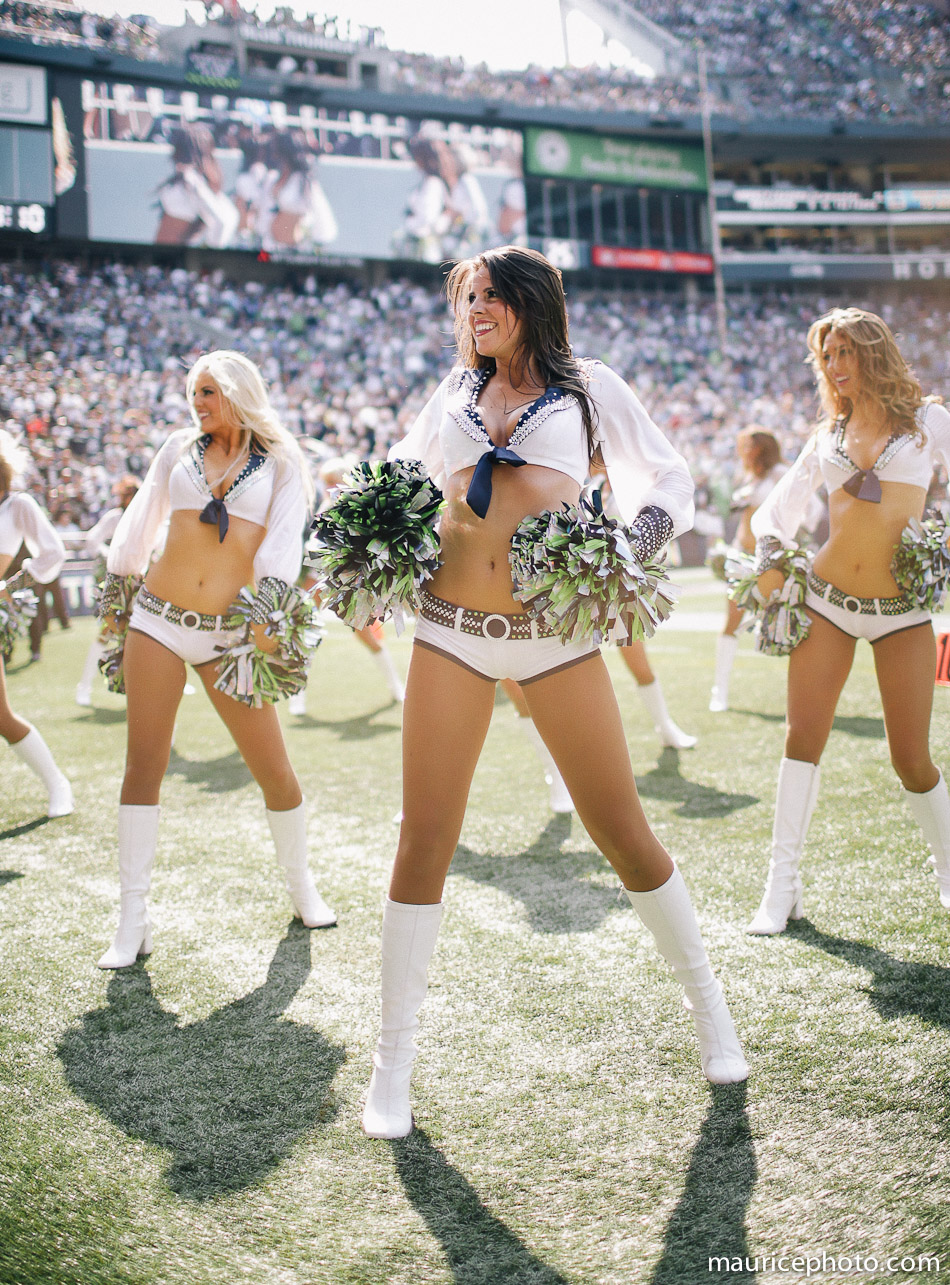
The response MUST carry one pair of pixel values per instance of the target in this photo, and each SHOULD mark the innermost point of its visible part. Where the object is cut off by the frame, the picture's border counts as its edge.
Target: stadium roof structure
(622, 21)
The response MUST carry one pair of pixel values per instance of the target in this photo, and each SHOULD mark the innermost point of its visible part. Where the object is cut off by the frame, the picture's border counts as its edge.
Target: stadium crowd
(93, 365)
(62, 24)
(843, 59)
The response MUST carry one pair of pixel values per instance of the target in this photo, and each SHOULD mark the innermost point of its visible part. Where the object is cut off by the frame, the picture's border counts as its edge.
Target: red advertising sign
(618, 256)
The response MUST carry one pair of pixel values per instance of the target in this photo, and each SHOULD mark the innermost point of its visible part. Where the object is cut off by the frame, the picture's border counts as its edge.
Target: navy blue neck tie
(478, 497)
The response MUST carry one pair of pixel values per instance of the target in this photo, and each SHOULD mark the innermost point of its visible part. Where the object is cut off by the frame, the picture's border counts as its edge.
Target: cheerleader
(875, 450)
(760, 459)
(236, 492)
(509, 434)
(22, 521)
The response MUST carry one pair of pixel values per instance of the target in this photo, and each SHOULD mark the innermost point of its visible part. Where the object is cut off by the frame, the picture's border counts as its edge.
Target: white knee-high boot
(138, 837)
(289, 831)
(668, 913)
(395, 684)
(670, 735)
(35, 753)
(795, 801)
(932, 813)
(89, 671)
(726, 647)
(409, 936)
(558, 793)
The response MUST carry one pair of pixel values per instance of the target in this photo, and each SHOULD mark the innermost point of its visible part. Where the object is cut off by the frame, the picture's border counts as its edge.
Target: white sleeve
(280, 553)
(137, 534)
(422, 440)
(47, 551)
(783, 510)
(935, 421)
(643, 467)
(97, 537)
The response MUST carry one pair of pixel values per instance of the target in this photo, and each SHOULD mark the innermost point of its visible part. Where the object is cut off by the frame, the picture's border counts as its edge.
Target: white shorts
(492, 653)
(195, 638)
(870, 618)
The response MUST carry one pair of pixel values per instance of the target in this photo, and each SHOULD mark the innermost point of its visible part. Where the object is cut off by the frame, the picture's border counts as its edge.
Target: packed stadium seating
(351, 366)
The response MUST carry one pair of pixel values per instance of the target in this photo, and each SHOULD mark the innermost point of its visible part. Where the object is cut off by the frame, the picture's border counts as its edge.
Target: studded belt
(484, 624)
(183, 616)
(859, 606)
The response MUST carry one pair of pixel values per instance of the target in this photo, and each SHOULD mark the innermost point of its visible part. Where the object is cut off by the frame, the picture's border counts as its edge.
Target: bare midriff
(857, 554)
(475, 571)
(198, 571)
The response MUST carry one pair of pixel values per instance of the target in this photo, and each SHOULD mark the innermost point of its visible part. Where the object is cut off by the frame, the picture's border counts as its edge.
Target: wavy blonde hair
(884, 373)
(247, 407)
(14, 460)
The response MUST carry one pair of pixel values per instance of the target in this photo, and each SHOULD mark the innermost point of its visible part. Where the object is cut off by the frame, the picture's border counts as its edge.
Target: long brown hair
(884, 373)
(532, 288)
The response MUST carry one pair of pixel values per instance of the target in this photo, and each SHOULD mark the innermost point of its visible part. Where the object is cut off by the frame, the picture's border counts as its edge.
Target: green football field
(195, 1118)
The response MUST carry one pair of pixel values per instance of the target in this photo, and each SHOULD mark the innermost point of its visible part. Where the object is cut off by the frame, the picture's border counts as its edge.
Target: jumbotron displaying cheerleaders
(875, 450)
(236, 492)
(509, 434)
(23, 521)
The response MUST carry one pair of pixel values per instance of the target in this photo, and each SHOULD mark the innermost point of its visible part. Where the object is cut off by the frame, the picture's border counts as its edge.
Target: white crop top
(824, 461)
(22, 521)
(642, 466)
(755, 490)
(263, 493)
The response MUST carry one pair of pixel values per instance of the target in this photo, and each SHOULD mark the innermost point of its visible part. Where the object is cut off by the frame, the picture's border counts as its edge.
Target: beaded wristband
(270, 591)
(769, 551)
(652, 529)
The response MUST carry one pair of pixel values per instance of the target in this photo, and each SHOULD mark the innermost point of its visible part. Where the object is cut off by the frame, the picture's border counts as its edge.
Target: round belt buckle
(496, 627)
(190, 619)
(850, 603)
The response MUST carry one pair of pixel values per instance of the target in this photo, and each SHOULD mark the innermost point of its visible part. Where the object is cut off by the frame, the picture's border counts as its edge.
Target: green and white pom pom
(921, 564)
(779, 622)
(16, 612)
(257, 677)
(116, 598)
(375, 547)
(718, 556)
(577, 572)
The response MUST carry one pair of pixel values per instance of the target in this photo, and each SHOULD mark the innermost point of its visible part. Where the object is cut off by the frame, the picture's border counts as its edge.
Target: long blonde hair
(884, 373)
(14, 460)
(246, 406)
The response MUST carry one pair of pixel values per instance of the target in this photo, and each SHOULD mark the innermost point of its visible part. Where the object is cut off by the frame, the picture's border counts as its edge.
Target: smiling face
(209, 405)
(496, 330)
(841, 366)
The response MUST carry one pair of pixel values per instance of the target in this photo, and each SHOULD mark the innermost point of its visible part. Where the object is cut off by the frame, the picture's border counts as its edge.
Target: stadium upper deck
(829, 143)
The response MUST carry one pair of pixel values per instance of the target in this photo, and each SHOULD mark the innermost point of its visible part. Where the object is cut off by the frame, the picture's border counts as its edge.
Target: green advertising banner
(638, 162)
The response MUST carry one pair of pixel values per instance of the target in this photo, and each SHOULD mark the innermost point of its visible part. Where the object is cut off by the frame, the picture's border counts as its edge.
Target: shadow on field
(709, 1218)
(898, 988)
(362, 728)
(665, 782)
(8, 876)
(228, 1096)
(214, 776)
(99, 717)
(477, 1245)
(860, 725)
(15, 831)
(552, 882)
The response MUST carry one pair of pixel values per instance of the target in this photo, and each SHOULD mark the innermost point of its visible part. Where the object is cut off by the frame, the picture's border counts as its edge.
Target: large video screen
(204, 168)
